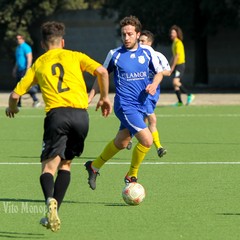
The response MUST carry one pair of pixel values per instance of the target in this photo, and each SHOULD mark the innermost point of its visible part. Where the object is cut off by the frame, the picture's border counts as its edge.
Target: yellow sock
(156, 139)
(109, 151)
(139, 153)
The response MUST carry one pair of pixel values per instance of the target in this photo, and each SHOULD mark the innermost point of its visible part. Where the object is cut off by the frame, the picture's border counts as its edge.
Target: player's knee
(147, 142)
(152, 121)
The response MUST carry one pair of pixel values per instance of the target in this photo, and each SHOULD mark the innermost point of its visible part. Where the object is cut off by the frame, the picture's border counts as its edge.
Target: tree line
(199, 18)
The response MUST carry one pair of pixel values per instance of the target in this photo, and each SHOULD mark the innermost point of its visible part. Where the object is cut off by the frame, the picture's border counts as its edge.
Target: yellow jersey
(178, 48)
(59, 73)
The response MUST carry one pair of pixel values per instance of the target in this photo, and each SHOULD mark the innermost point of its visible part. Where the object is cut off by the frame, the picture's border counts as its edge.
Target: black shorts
(65, 130)
(179, 71)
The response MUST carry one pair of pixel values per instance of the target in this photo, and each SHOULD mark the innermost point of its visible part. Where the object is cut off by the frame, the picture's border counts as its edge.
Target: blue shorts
(132, 120)
(150, 107)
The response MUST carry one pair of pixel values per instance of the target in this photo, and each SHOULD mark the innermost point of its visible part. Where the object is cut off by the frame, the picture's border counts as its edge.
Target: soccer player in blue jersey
(130, 64)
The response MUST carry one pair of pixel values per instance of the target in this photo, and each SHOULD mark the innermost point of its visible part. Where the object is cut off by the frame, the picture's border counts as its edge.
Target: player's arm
(12, 108)
(93, 91)
(29, 57)
(165, 65)
(166, 73)
(174, 62)
(103, 84)
(151, 88)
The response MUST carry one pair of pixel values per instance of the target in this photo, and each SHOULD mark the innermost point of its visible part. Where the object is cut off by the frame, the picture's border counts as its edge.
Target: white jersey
(166, 67)
(163, 61)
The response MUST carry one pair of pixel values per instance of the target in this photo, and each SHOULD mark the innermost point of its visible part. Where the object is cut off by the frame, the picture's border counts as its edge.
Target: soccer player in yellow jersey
(59, 73)
(178, 65)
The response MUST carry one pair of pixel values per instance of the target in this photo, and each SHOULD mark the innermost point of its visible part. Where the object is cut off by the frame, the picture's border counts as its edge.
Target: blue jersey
(131, 70)
(21, 59)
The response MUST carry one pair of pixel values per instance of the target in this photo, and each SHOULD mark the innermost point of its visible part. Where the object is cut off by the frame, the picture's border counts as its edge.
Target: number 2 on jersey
(60, 78)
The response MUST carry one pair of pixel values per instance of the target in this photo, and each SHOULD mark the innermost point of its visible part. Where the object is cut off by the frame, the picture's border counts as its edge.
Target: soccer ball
(133, 193)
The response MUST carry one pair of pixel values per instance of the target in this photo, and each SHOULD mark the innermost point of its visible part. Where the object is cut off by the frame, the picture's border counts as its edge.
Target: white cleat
(52, 214)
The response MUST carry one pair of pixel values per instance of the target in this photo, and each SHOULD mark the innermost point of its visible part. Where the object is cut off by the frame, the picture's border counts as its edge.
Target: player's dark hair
(131, 20)
(148, 34)
(178, 30)
(52, 32)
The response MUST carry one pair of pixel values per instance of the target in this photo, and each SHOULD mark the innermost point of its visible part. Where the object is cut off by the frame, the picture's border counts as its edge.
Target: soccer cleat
(190, 98)
(129, 146)
(92, 175)
(178, 104)
(128, 179)
(161, 151)
(44, 222)
(52, 214)
(36, 104)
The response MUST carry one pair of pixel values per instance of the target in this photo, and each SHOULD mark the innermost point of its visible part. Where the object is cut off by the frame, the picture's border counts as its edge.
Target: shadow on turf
(229, 214)
(19, 235)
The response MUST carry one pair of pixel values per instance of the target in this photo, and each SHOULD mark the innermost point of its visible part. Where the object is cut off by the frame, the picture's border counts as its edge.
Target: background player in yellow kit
(178, 65)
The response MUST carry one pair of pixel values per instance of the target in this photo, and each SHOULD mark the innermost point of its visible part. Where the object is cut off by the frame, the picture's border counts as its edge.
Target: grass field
(193, 192)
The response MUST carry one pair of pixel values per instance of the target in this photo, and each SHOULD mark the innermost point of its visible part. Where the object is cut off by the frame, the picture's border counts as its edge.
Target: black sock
(183, 90)
(178, 93)
(47, 183)
(61, 185)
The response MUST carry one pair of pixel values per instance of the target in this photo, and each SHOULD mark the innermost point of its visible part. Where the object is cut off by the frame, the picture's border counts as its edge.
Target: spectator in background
(23, 55)
(178, 65)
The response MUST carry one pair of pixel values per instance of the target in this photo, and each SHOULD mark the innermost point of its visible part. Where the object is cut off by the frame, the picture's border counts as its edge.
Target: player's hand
(11, 112)
(106, 106)
(151, 89)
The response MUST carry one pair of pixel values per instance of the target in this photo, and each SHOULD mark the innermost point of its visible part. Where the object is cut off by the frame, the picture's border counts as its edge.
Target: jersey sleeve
(27, 49)
(26, 82)
(163, 61)
(155, 61)
(108, 62)
(88, 64)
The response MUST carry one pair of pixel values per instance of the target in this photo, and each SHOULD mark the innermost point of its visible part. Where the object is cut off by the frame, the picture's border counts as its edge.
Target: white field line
(126, 163)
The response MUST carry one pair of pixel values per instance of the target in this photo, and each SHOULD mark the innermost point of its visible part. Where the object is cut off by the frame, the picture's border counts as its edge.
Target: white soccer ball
(133, 193)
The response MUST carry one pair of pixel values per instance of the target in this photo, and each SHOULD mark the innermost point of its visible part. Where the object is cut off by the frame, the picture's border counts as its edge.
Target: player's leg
(176, 86)
(49, 168)
(57, 142)
(62, 181)
(152, 119)
(113, 147)
(33, 93)
(145, 140)
(152, 125)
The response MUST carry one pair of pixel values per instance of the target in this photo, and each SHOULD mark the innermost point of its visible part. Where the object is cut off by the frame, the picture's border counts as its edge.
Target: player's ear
(63, 43)
(138, 35)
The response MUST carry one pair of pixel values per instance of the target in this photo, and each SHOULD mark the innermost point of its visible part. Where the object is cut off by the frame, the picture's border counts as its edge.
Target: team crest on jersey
(132, 55)
(141, 59)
